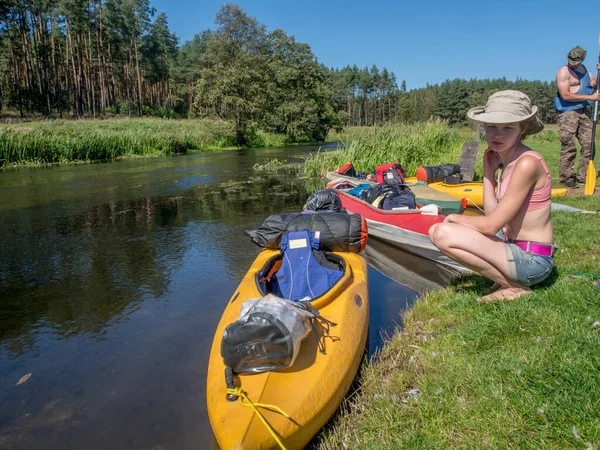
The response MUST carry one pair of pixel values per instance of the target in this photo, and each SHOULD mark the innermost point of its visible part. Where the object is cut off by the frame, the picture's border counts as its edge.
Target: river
(113, 277)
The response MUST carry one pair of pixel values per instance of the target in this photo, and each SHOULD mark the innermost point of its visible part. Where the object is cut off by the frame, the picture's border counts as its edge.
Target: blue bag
(301, 276)
(357, 191)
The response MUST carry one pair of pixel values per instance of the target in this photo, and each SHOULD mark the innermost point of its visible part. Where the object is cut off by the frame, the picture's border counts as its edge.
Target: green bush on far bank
(412, 145)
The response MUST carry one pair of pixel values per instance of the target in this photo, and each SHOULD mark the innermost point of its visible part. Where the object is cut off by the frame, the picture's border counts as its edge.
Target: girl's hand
(452, 218)
(491, 162)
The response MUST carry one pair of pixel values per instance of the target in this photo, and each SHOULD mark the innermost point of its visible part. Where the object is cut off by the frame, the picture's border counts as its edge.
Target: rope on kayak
(474, 204)
(239, 392)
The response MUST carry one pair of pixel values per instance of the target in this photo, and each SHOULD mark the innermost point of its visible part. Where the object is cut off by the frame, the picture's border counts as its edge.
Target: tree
(232, 83)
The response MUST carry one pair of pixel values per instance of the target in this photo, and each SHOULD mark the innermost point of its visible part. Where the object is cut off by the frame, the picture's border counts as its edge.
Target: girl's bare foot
(506, 294)
(494, 287)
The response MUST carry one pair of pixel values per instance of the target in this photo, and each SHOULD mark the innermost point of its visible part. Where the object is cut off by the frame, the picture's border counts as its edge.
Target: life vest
(301, 276)
(585, 88)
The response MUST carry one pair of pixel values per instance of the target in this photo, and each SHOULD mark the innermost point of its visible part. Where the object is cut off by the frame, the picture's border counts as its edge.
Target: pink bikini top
(537, 198)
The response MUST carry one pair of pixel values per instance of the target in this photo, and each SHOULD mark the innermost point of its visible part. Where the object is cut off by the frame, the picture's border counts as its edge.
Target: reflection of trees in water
(81, 273)
(239, 199)
(78, 274)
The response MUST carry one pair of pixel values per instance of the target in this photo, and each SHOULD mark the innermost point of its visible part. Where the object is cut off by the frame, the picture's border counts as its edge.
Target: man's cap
(576, 55)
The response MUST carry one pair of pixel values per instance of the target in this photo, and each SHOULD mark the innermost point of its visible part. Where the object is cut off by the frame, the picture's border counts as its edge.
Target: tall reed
(412, 145)
(83, 140)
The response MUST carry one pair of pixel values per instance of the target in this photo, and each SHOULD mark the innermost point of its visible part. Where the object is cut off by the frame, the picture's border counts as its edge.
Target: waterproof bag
(324, 200)
(392, 173)
(338, 231)
(267, 334)
(389, 196)
(443, 172)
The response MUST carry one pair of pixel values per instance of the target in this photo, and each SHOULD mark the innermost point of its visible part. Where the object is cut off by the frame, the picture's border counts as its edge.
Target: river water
(113, 278)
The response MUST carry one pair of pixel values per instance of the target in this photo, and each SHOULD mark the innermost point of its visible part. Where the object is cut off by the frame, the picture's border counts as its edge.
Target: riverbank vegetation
(60, 141)
(507, 375)
(413, 145)
(410, 144)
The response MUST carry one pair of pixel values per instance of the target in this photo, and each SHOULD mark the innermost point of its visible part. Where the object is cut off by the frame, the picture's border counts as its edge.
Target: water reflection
(107, 258)
(112, 280)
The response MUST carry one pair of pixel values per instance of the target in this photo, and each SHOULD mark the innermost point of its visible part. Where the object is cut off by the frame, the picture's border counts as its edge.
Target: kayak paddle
(590, 177)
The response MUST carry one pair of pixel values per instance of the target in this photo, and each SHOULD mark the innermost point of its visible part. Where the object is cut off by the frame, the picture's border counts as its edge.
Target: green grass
(412, 145)
(522, 374)
(59, 141)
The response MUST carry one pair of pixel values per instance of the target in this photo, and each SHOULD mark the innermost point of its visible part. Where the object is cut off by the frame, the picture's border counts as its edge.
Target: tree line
(89, 58)
(84, 57)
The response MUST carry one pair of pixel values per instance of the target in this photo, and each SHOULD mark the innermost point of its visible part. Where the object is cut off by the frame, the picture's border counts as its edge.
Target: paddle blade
(590, 179)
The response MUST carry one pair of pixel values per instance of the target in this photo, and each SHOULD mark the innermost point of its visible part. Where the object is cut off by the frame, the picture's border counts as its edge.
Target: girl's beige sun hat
(508, 107)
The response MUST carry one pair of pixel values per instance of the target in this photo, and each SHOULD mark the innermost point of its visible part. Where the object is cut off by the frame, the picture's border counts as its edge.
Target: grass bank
(59, 141)
(522, 374)
(412, 145)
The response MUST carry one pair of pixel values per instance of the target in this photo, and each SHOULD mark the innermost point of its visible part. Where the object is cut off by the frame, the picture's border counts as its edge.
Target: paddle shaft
(593, 152)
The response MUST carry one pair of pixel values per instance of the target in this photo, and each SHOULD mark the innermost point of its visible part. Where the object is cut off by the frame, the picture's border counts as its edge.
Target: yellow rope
(240, 393)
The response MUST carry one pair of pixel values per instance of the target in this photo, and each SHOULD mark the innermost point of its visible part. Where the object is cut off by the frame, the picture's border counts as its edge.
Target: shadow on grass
(479, 285)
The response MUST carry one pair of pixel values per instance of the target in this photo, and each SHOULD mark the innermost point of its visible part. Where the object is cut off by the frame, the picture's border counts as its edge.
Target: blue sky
(420, 41)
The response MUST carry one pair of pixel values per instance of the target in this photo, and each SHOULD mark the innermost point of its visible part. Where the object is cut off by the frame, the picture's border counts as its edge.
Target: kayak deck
(312, 389)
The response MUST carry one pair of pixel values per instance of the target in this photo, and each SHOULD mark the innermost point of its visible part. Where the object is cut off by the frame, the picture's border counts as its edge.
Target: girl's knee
(432, 232)
(441, 234)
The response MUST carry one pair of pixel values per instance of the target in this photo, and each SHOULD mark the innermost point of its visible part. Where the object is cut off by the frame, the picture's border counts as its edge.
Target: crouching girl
(512, 244)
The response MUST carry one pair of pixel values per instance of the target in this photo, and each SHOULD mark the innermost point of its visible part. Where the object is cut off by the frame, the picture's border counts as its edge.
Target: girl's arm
(523, 180)
(490, 165)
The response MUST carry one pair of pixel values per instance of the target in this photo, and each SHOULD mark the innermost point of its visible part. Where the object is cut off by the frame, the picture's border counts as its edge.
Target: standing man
(575, 94)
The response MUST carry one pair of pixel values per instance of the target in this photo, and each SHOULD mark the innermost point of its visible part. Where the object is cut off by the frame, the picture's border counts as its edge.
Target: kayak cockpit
(267, 281)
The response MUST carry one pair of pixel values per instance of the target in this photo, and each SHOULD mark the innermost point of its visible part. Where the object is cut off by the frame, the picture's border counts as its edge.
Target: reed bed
(60, 141)
(412, 145)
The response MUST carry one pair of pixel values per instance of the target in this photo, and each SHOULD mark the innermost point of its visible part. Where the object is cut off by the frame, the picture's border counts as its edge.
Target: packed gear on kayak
(390, 173)
(389, 196)
(324, 200)
(448, 173)
(349, 171)
(340, 232)
(268, 332)
(358, 190)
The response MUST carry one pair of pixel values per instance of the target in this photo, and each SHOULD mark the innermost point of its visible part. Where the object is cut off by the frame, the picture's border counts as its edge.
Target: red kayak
(407, 229)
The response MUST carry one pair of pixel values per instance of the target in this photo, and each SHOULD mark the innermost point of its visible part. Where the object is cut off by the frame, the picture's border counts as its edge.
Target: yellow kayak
(309, 391)
(473, 191)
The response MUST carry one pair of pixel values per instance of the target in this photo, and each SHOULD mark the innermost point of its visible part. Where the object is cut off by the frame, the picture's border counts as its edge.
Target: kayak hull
(406, 229)
(313, 388)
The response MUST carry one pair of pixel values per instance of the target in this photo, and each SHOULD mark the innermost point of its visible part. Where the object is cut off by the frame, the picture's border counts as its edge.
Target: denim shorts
(527, 268)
